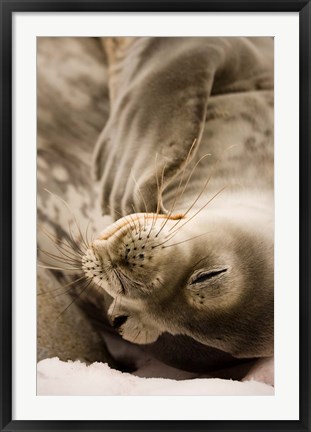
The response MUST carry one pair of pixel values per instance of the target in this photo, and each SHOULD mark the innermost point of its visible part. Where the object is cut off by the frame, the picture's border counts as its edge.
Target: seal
(186, 169)
(197, 260)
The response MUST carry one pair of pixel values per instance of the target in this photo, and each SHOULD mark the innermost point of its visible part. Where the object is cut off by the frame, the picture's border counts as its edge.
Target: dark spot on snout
(119, 321)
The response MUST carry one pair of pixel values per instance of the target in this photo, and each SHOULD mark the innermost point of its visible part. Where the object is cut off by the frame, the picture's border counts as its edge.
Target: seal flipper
(158, 108)
(154, 120)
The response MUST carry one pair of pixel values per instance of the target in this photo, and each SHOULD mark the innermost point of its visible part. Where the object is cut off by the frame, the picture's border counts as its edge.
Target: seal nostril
(119, 321)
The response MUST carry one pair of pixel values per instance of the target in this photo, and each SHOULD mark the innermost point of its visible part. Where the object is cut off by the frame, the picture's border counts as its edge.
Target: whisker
(155, 215)
(114, 245)
(177, 197)
(208, 202)
(66, 254)
(135, 227)
(58, 268)
(192, 171)
(165, 241)
(159, 198)
(70, 210)
(140, 192)
(159, 186)
(111, 208)
(182, 176)
(193, 204)
(70, 290)
(70, 259)
(64, 246)
(132, 226)
(184, 241)
(139, 226)
(116, 272)
(116, 211)
(86, 233)
(128, 278)
(159, 193)
(68, 250)
(75, 299)
(145, 219)
(60, 259)
(79, 246)
(62, 287)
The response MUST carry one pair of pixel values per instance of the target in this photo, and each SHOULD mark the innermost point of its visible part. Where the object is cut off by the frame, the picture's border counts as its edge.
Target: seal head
(207, 278)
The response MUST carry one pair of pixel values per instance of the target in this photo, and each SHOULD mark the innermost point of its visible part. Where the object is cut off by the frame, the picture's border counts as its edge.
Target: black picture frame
(8, 7)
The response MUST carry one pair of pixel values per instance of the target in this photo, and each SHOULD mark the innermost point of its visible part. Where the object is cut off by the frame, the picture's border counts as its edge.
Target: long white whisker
(184, 241)
(64, 246)
(58, 268)
(188, 220)
(70, 210)
(192, 171)
(76, 298)
(140, 192)
(66, 260)
(64, 286)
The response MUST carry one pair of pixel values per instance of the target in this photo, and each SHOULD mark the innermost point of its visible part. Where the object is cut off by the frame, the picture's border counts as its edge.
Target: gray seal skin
(185, 164)
(189, 146)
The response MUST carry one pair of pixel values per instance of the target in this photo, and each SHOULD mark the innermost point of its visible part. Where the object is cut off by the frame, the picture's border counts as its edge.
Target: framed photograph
(155, 215)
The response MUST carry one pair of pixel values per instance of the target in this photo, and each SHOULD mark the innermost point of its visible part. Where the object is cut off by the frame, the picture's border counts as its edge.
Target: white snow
(55, 377)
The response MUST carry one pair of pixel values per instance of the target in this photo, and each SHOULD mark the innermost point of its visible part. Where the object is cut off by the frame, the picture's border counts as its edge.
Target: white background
(284, 405)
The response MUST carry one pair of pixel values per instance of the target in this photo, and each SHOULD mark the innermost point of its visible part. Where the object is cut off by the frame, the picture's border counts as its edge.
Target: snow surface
(55, 377)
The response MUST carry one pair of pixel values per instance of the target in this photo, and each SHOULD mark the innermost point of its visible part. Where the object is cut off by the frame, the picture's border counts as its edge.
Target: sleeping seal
(186, 168)
(197, 260)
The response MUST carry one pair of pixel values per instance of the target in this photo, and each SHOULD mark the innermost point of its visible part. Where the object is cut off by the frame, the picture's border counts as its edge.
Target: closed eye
(205, 276)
